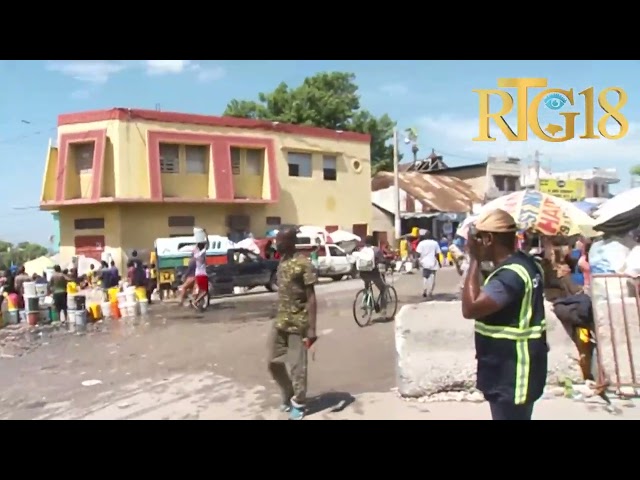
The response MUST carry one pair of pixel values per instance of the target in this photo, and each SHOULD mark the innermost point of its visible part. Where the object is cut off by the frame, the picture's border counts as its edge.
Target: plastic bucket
(29, 289)
(72, 288)
(115, 310)
(41, 289)
(130, 295)
(200, 235)
(32, 304)
(12, 317)
(33, 318)
(113, 293)
(96, 311)
(71, 301)
(80, 318)
(22, 316)
(130, 309)
(144, 307)
(45, 315)
(141, 294)
(106, 309)
(53, 314)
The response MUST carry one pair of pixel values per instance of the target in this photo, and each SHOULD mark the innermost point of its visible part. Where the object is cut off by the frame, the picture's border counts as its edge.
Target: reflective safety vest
(511, 344)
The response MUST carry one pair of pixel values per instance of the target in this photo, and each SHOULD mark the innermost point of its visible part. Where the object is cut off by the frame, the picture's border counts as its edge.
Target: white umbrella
(621, 203)
(463, 230)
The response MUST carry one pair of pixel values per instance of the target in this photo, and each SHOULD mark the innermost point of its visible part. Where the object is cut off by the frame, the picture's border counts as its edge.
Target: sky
(434, 97)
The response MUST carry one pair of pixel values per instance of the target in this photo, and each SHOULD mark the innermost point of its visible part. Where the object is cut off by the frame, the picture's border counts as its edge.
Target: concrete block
(435, 350)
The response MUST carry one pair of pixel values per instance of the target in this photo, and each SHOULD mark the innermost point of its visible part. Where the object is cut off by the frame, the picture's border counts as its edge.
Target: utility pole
(396, 187)
(536, 166)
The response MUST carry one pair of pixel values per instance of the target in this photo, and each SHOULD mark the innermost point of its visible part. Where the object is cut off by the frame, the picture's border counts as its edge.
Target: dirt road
(181, 364)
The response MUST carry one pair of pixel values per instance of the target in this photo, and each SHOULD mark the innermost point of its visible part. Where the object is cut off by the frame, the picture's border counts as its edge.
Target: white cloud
(166, 67)
(210, 74)
(175, 67)
(454, 135)
(394, 89)
(89, 71)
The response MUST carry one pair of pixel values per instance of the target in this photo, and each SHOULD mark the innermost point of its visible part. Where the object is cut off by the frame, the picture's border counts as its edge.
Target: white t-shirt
(428, 250)
(201, 261)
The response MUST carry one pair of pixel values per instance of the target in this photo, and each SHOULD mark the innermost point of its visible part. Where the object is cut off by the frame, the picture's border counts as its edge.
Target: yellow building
(121, 178)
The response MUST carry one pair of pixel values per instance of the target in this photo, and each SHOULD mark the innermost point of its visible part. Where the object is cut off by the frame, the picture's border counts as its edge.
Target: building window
(83, 156)
(169, 158)
(274, 221)
(236, 159)
(299, 164)
(88, 223)
(330, 167)
(181, 221)
(196, 157)
(254, 159)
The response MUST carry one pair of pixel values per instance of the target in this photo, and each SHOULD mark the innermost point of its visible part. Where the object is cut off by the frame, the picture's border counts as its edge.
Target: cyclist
(368, 258)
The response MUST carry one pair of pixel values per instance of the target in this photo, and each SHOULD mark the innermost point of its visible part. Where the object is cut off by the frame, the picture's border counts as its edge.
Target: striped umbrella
(543, 213)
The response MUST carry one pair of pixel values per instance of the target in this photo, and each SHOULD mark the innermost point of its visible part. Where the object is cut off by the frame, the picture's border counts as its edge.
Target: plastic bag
(610, 255)
(632, 265)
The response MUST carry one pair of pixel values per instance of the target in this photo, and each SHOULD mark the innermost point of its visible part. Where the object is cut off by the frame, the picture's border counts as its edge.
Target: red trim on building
(220, 146)
(99, 139)
(126, 114)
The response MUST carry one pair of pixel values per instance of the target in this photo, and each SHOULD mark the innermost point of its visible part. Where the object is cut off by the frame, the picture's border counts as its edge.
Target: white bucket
(71, 301)
(130, 295)
(22, 315)
(45, 315)
(41, 289)
(80, 318)
(144, 307)
(199, 234)
(106, 309)
(130, 309)
(29, 289)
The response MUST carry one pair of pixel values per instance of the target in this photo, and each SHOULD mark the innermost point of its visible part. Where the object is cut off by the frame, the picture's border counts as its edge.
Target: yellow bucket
(96, 311)
(415, 231)
(113, 294)
(141, 293)
(72, 287)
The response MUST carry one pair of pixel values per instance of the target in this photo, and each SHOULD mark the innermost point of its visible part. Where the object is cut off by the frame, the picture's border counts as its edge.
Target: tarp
(38, 265)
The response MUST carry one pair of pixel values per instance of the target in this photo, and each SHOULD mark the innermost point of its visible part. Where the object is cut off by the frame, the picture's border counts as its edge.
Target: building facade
(597, 181)
(121, 178)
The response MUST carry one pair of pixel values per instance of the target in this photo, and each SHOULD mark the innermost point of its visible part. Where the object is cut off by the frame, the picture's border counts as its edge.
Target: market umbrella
(586, 207)
(543, 213)
(463, 229)
(624, 203)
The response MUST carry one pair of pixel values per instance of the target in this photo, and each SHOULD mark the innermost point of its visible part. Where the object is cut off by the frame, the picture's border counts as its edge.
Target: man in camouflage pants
(294, 330)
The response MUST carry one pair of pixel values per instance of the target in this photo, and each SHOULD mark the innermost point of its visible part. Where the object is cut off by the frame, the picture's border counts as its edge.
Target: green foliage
(327, 100)
(635, 170)
(20, 253)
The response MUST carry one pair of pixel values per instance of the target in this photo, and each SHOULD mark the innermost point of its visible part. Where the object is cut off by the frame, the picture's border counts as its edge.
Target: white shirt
(201, 261)
(428, 249)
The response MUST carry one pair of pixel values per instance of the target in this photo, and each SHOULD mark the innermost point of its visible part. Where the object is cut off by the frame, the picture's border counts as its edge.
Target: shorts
(60, 301)
(202, 281)
(427, 272)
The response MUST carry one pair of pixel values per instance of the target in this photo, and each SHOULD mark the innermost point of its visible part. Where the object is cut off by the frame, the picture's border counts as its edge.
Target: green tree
(20, 253)
(635, 171)
(327, 100)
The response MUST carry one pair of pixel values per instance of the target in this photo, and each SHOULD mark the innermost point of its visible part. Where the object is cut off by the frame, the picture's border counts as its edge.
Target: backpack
(366, 260)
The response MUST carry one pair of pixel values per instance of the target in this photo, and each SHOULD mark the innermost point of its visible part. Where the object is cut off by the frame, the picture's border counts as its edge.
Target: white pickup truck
(333, 261)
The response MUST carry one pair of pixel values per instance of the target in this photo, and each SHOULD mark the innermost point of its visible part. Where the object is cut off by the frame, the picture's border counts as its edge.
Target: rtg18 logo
(595, 105)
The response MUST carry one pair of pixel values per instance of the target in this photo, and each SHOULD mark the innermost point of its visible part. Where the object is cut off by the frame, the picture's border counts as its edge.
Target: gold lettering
(589, 116)
(522, 85)
(613, 112)
(569, 117)
(484, 115)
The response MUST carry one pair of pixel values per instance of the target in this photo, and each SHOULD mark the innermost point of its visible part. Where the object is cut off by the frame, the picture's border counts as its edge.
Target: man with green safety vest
(510, 329)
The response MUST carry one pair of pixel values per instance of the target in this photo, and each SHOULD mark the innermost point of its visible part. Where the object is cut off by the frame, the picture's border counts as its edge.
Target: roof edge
(132, 114)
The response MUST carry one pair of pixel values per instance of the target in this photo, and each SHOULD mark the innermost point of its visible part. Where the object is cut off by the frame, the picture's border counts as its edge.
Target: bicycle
(366, 303)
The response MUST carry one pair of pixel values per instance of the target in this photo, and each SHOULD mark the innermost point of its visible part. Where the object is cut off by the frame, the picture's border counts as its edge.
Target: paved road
(186, 365)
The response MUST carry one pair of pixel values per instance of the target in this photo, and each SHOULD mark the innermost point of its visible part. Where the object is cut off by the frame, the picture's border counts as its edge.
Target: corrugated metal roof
(435, 193)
